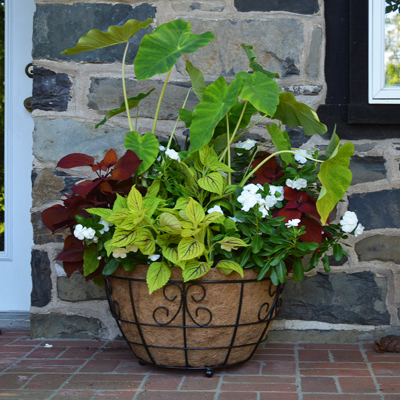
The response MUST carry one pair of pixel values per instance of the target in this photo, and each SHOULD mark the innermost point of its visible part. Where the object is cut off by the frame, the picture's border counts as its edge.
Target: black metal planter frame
(266, 314)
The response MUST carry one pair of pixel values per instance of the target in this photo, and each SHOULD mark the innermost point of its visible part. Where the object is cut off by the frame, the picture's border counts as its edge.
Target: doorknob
(28, 104)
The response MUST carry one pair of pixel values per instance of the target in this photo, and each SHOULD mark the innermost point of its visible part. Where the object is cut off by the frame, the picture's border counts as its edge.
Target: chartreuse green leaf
(260, 91)
(213, 182)
(171, 254)
(123, 238)
(109, 247)
(90, 261)
(169, 223)
(333, 145)
(153, 189)
(293, 113)
(120, 202)
(145, 241)
(135, 200)
(96, 39)
(227, 266)
(145, 147)
(231, 243)
(217, 100)
(190, 248)
(160, 50)
(132, 103)
(194, 211)
(182, 203)
(104, 213)
(119, 216)
(151, 204)
(281, 141)
(195, 269)
(157, 276)
(335, 178)
(210, 218)
(197, 78)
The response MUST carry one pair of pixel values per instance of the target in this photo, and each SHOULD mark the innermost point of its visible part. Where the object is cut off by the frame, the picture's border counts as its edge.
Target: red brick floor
(89, 370)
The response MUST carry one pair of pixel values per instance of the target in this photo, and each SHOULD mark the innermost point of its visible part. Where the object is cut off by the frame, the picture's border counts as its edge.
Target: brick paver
(96, 370)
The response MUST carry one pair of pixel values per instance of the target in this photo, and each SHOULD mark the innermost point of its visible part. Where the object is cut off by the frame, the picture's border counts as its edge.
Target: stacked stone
(72, 94)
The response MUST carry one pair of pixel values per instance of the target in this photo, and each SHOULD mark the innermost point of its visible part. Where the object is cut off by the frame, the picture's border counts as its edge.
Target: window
(384, 57)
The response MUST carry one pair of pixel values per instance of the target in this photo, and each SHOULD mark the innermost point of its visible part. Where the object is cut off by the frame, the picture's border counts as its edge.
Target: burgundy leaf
(54, 216)
(71, 267)
(289, 214)
(83, 188)
(76, 160)
(126, 166)
(110, 159)
(314, 230)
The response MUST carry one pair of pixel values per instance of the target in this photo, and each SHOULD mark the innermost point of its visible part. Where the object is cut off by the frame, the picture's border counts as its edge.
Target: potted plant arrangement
(195, 239)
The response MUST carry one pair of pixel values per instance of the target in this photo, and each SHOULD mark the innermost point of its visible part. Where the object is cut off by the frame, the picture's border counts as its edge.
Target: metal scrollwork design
(267, 312)
(115, 309)
(165, 309)
(198, 309)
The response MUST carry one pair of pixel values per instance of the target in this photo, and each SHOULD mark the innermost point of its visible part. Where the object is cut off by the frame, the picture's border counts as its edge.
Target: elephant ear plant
(214, 201)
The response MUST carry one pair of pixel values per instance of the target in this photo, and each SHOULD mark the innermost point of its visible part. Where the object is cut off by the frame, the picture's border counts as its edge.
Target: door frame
(15, 268)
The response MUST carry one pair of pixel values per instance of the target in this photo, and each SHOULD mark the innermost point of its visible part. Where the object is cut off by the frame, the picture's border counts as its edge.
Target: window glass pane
(392, 46)
(2, 125)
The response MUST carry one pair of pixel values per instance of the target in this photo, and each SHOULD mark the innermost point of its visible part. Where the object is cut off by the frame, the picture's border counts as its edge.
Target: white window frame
(378, 93)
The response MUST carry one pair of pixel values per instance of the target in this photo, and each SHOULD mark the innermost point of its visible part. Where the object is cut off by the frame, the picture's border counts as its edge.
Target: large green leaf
(90, 261)
(195, 269)
(186, 117)
(157, 276)
(96, 39)
(260, 91)
(281, 141)
(335, 178)
(254, 65)
(132, 103)
(146, 148)
(160, 50)
(197, 78)
(333, 145)
(217, 100)
(293, 113)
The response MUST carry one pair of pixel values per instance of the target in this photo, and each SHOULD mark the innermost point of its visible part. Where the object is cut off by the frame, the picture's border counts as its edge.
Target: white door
(15, 270)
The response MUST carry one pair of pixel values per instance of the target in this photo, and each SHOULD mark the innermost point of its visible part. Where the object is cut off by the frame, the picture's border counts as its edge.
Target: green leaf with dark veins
(217, 100)
(119, 203)
(119, 216)
(157, 276)
(190, 248)
(145, 241)
(171, 254)
(194, 211)
(134, 200)
(90, 261)
(123, 238)
(146, 147)
(169, 223)
(96, 39)
(292, 113)
(231, 243)
(197, 78)
(195, 269)
(160, 50)
(104, 213)
(213, 182)
(132, 103)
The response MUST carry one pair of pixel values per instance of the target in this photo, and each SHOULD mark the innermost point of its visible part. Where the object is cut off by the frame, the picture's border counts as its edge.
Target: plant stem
(254, 155)
(177, 121)
(137, 117)
(228, 148)
(124, 87)
(160, 100)
(247, 177)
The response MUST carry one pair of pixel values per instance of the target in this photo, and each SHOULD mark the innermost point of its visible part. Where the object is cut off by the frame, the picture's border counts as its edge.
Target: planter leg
(209, 373)
(141, 362)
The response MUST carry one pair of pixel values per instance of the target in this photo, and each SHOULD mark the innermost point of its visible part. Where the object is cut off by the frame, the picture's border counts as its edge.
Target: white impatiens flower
(300, 157)
(171, 153)
(120, 253)
(268, 201)
(234, 219)
(161, 147)
(297, 184)
(264, 210)
(349, 221)
(292, 223)
(215, 209)
(106, 225)
(359, 230)
(89, 233)
(246, 145)
(275, 190)
(154, 257)
(99, 258)
(132, 247)
(252, 188)
(248, 200)
(79, 232)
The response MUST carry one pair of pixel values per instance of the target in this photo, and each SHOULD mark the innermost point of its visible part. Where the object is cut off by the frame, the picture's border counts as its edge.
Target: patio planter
(217, 321)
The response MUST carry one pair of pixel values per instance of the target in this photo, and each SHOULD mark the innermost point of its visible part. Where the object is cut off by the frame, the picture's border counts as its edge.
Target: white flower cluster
(300, 157)
(122, 252)
(171, 153)
(249, 198)
(297, 184)
(292, 223)
(106, 225)
(215, 209)
(81, 233)
(246, 145)
(349, 223)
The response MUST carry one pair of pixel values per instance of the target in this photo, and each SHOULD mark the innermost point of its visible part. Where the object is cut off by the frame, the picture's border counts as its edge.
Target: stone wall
(360, 299)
